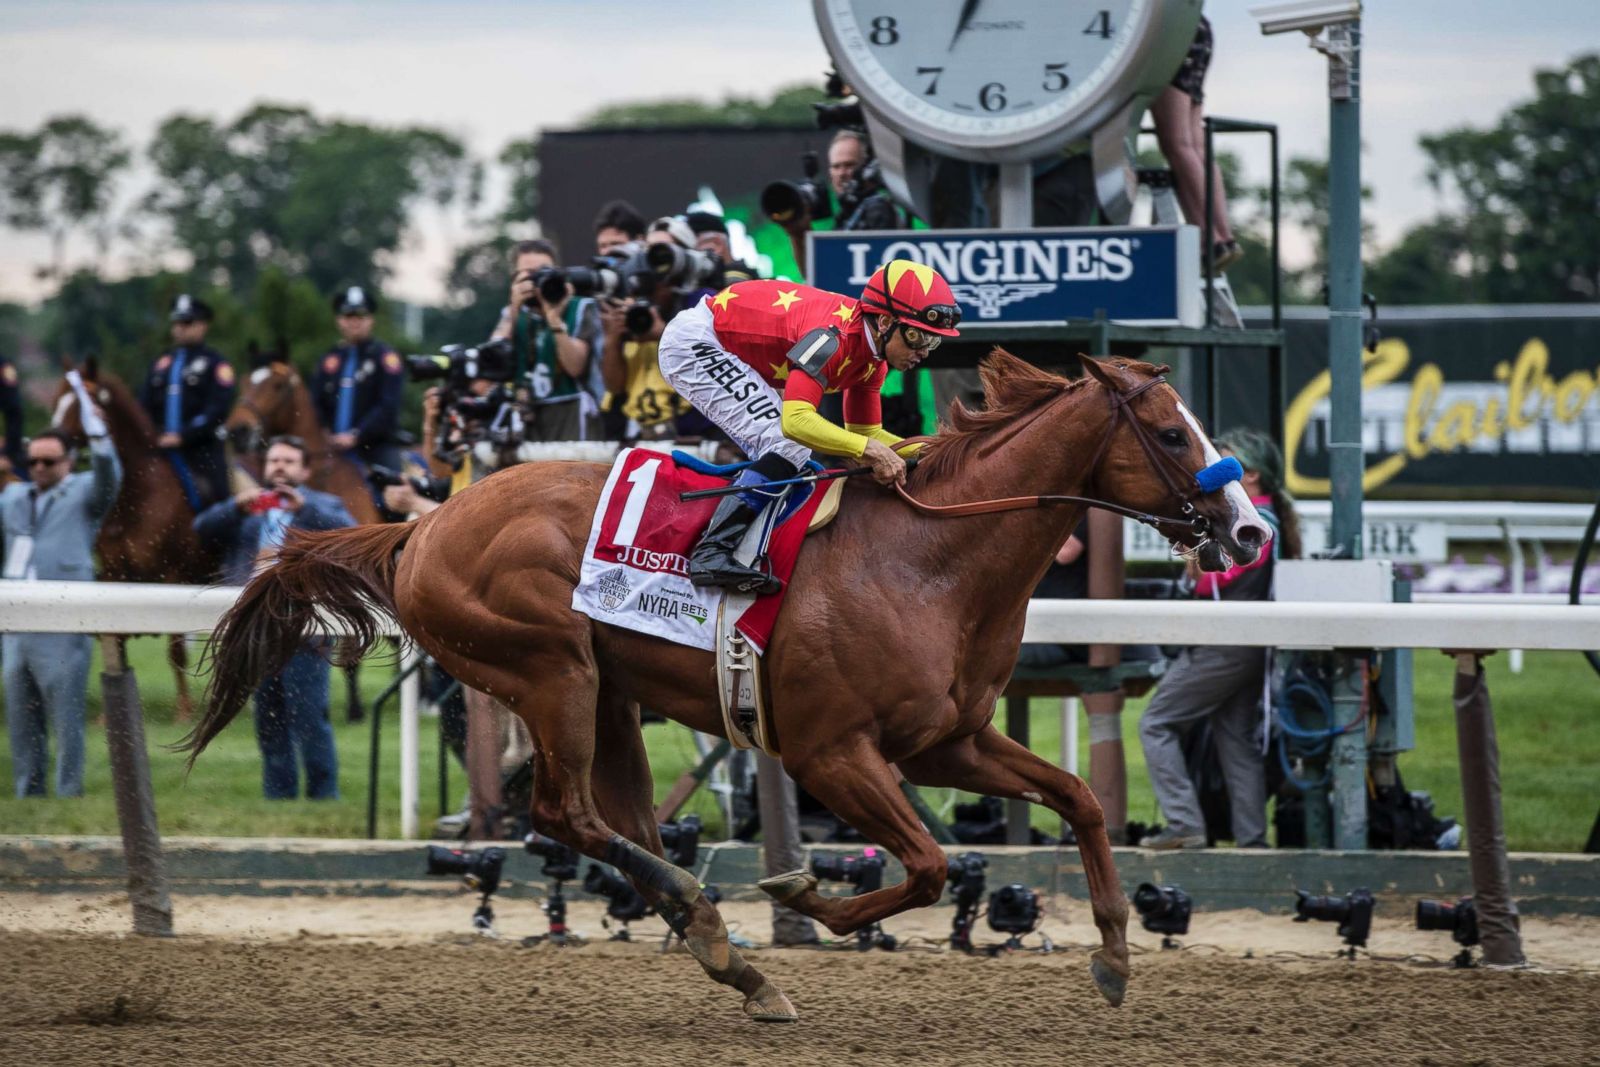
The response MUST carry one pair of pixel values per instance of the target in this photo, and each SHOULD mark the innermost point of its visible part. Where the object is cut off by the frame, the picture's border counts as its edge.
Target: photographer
(864, 203)
(291, 706)
(617, 226)
(553, 341)
(711, 237)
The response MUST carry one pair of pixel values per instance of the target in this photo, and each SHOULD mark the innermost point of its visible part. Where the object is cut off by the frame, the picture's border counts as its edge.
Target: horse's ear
(1101, 373)
(256, 357)
(91, 368)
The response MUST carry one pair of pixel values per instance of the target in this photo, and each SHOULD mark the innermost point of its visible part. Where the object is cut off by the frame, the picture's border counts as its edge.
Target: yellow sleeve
(804, 424)
(876, 432)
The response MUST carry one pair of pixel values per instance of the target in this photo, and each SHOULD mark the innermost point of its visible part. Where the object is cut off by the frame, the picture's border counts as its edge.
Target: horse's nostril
(1250, 535)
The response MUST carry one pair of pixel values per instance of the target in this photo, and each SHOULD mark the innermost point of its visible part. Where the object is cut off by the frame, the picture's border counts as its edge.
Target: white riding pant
(724, 388)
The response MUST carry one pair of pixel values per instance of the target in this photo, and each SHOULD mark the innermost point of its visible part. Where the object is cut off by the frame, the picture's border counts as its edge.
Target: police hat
(354, 300)
(188, 309)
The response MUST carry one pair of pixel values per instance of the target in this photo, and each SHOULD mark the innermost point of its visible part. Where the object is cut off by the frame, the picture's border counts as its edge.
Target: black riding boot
(712, 562)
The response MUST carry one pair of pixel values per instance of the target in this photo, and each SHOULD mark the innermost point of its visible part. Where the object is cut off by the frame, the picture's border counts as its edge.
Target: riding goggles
(919, 340)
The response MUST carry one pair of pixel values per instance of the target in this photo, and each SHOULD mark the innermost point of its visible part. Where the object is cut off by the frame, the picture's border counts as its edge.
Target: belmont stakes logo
(614, 588)
(990, 274)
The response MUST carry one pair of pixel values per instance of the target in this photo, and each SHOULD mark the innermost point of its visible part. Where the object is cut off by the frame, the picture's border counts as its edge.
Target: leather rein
(1163, 463)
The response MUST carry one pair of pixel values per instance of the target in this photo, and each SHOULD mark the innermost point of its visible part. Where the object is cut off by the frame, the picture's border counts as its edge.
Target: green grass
(1548, 719)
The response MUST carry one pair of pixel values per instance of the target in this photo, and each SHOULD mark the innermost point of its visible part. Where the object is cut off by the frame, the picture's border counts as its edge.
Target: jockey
(757, 358)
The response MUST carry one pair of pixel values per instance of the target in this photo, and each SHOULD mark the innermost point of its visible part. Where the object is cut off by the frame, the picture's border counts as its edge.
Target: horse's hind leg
(573, 784)
(858, 786)
(987, 762)
(178, 659)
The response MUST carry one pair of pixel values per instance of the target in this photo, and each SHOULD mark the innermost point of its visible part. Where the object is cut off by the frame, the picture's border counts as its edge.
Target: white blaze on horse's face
(260, 375)
(63, 406)
(1245, 516)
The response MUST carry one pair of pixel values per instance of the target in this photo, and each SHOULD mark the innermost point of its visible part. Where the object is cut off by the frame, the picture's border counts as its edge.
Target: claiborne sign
(1146, 275)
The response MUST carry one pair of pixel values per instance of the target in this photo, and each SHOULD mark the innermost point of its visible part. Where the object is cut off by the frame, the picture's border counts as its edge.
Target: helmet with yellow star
(914, 295)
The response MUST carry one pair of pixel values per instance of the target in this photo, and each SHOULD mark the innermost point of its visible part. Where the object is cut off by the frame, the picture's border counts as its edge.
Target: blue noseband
(1219, 474)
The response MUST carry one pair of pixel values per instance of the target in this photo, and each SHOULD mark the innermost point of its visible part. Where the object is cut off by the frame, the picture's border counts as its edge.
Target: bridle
(1179, 482)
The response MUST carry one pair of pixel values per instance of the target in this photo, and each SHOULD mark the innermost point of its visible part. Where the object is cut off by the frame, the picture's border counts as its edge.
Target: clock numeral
(992, 97)
(933, 86)
(1100, 25)
(1055, 77)
(886, 32)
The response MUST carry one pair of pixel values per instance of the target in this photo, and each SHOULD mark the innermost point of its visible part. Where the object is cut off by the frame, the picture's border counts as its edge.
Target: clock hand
(968, 9)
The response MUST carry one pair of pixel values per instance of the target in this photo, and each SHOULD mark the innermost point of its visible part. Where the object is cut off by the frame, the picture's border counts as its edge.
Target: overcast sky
(492, 70)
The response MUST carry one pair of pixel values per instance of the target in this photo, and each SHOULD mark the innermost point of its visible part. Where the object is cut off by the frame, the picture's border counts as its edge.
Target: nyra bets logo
(670, 603)
(988, 274)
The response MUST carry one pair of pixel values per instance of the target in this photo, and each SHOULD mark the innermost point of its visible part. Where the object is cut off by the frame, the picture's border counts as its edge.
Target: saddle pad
(635, 571)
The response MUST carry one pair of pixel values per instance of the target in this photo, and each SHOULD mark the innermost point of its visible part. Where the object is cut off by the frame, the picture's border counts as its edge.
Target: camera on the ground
(865, 872)
(480, 869)
(623, 902)
(560, 861)
(680, 840)
(1014, 909)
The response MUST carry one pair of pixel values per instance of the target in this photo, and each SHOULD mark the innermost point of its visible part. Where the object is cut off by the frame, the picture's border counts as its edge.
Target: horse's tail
(345, 577)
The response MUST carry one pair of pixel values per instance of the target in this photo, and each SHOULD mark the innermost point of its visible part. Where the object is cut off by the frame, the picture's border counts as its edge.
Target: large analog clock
(1005, 81)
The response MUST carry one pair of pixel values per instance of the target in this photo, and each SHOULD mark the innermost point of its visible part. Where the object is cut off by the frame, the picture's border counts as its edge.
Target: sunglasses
(920, 340)
(45, 461)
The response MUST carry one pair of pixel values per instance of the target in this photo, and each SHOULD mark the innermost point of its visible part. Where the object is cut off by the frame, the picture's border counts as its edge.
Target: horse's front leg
(857, 785)
(987, 762)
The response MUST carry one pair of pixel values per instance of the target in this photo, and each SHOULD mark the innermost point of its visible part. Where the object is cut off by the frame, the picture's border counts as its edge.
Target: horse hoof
(782, 887)
(768, 1005)
(1110, 977)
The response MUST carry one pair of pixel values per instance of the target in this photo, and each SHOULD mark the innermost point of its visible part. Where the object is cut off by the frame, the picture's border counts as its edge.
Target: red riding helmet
(913, 294)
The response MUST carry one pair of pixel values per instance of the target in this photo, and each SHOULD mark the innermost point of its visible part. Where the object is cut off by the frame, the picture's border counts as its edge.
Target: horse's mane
(1012, 389)
(122, 396)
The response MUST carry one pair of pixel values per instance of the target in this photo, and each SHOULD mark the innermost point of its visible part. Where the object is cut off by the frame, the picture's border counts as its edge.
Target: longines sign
(1144, 275)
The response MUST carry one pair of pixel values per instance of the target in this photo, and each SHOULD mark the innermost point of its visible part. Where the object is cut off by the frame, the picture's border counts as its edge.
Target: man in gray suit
(50, 528)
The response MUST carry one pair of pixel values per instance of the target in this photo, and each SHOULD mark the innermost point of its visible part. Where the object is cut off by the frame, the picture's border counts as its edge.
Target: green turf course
(1548, 719)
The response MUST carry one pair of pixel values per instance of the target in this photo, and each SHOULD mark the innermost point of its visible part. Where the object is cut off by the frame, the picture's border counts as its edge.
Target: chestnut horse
(148, 535)
(899, 632)
(275, 401)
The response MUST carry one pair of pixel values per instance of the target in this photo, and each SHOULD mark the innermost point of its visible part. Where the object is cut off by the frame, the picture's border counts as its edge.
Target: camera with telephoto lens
(785, 201)
(1353, 913)
(865, 871)
(383, 477)
(1164, 910)
(623, 902)
(460, 365)
(683, 268)
(479, 869)
(846, 113)
(1460, 918)
(598, 280)
(680, 839)
(560, 862)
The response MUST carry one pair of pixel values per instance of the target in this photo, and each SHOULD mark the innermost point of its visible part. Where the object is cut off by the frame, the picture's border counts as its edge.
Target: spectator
(358, 385)
(618, 225)
(554, 342)
(292, 706)
(1181, 133)
(50, 528)
(1222, 684)
(188, 394)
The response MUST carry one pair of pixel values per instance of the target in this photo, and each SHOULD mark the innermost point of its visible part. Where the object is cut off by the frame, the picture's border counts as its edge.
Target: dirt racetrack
(257, 981)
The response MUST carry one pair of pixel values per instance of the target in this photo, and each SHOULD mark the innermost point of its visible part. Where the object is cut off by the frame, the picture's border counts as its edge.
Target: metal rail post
(1480, 800)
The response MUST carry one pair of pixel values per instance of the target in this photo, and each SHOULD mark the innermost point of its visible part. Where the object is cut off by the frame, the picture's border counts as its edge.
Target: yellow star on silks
(722, 298)
(780, 371)
(845, 312)
(785, 299)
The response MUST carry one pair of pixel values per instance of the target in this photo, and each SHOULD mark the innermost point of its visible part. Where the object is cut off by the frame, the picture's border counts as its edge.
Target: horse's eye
(1173, 438)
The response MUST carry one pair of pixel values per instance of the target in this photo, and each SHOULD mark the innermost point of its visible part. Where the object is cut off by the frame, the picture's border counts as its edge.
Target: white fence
(89, 607)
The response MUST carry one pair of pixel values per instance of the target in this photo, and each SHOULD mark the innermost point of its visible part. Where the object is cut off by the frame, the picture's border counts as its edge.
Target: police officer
(358, 384)
(188, 394)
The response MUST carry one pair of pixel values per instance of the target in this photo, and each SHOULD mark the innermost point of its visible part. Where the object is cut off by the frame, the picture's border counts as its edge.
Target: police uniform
(358, 388)
(189, 391)
(11, 409)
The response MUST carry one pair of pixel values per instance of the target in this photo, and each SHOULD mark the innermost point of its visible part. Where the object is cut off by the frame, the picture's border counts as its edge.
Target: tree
(788, 106)
(279, 187)
(1526, 191)
(60, 179)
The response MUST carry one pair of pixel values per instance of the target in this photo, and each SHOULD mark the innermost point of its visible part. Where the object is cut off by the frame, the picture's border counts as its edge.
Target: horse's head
(1158, 459)
(266, 407)
(124, 416)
